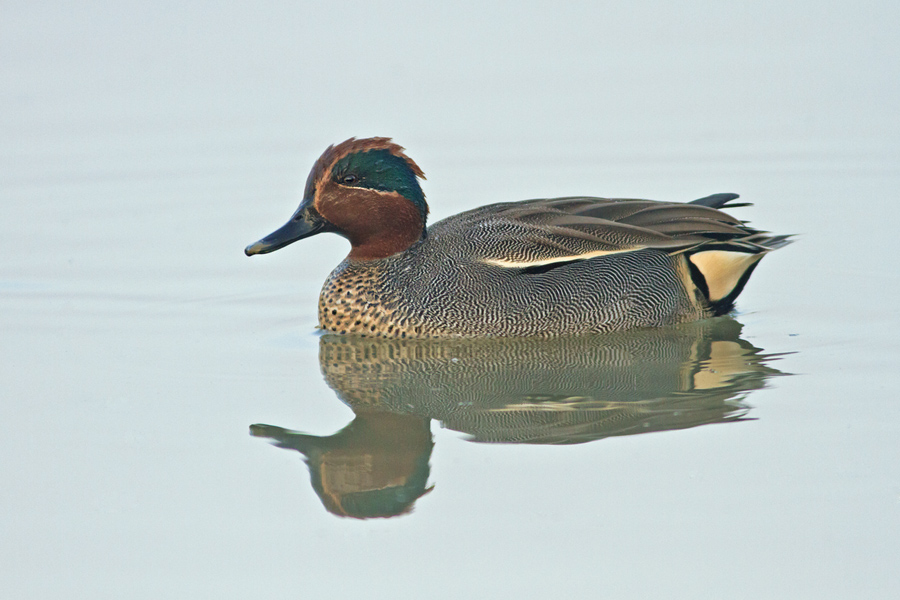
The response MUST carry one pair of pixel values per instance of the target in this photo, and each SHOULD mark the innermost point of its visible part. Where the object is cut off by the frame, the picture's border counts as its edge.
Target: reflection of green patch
(385, 502)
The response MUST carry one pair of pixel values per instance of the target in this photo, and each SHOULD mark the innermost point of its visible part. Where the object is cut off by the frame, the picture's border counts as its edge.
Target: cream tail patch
(723, 269)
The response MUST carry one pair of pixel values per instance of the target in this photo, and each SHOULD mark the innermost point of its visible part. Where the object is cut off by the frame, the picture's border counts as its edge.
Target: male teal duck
(531, 268)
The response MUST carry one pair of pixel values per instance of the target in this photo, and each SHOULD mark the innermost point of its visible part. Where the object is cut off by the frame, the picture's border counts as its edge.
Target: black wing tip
(778, 241)
(720, 201)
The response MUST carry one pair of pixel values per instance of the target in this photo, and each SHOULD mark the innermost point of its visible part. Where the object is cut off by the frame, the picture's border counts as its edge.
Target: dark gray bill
(305, 222)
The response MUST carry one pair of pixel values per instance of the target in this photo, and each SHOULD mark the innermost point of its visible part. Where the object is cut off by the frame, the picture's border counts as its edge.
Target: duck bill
(303, 224)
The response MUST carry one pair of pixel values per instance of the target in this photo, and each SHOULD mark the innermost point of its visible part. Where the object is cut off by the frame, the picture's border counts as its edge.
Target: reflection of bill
(535, 391)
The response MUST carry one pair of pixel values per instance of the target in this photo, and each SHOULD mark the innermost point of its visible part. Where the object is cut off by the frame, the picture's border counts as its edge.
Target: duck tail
(720, 270)
(720, 201)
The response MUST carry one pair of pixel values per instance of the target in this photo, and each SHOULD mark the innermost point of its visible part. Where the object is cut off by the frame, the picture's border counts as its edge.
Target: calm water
(175, 427)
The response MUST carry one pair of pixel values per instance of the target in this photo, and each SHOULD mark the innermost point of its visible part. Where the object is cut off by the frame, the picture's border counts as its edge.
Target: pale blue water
(142, 146)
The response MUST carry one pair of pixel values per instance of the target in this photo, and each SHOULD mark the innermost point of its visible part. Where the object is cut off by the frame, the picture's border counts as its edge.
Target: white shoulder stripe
(511, 264)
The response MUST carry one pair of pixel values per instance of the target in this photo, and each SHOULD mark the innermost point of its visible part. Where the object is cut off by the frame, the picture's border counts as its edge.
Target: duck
(542, 267)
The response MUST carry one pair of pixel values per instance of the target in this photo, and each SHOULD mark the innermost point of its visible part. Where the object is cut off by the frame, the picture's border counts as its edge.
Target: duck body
(533, 268)
(450, 284)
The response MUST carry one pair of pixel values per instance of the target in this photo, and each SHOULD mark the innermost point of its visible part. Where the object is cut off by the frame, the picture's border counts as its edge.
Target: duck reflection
(524, 390)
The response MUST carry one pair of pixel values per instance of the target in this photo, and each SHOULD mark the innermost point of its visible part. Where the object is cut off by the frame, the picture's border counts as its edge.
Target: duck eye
(348, 179)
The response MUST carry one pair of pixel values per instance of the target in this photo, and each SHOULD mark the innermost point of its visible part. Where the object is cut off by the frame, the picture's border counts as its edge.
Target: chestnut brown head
(365, 190)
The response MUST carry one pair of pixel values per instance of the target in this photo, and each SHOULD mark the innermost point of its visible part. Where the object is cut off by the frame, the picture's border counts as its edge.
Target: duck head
(365, 190)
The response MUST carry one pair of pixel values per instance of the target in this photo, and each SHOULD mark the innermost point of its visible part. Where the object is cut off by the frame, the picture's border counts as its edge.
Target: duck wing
(539, 234)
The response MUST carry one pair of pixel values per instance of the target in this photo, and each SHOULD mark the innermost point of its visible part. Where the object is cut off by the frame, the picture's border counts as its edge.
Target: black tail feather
(719, 201)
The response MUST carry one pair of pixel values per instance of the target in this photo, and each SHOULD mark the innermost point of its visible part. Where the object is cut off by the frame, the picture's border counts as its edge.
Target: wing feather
(542, 232)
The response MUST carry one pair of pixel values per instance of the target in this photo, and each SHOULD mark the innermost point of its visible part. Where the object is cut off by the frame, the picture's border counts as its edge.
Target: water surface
(143, 146)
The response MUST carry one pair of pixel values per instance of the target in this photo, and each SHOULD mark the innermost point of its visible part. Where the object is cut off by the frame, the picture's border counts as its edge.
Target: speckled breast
(362, 297)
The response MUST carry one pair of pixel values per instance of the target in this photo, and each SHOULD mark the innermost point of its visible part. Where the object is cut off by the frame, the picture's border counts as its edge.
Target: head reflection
(532, 391)
(377, 466)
